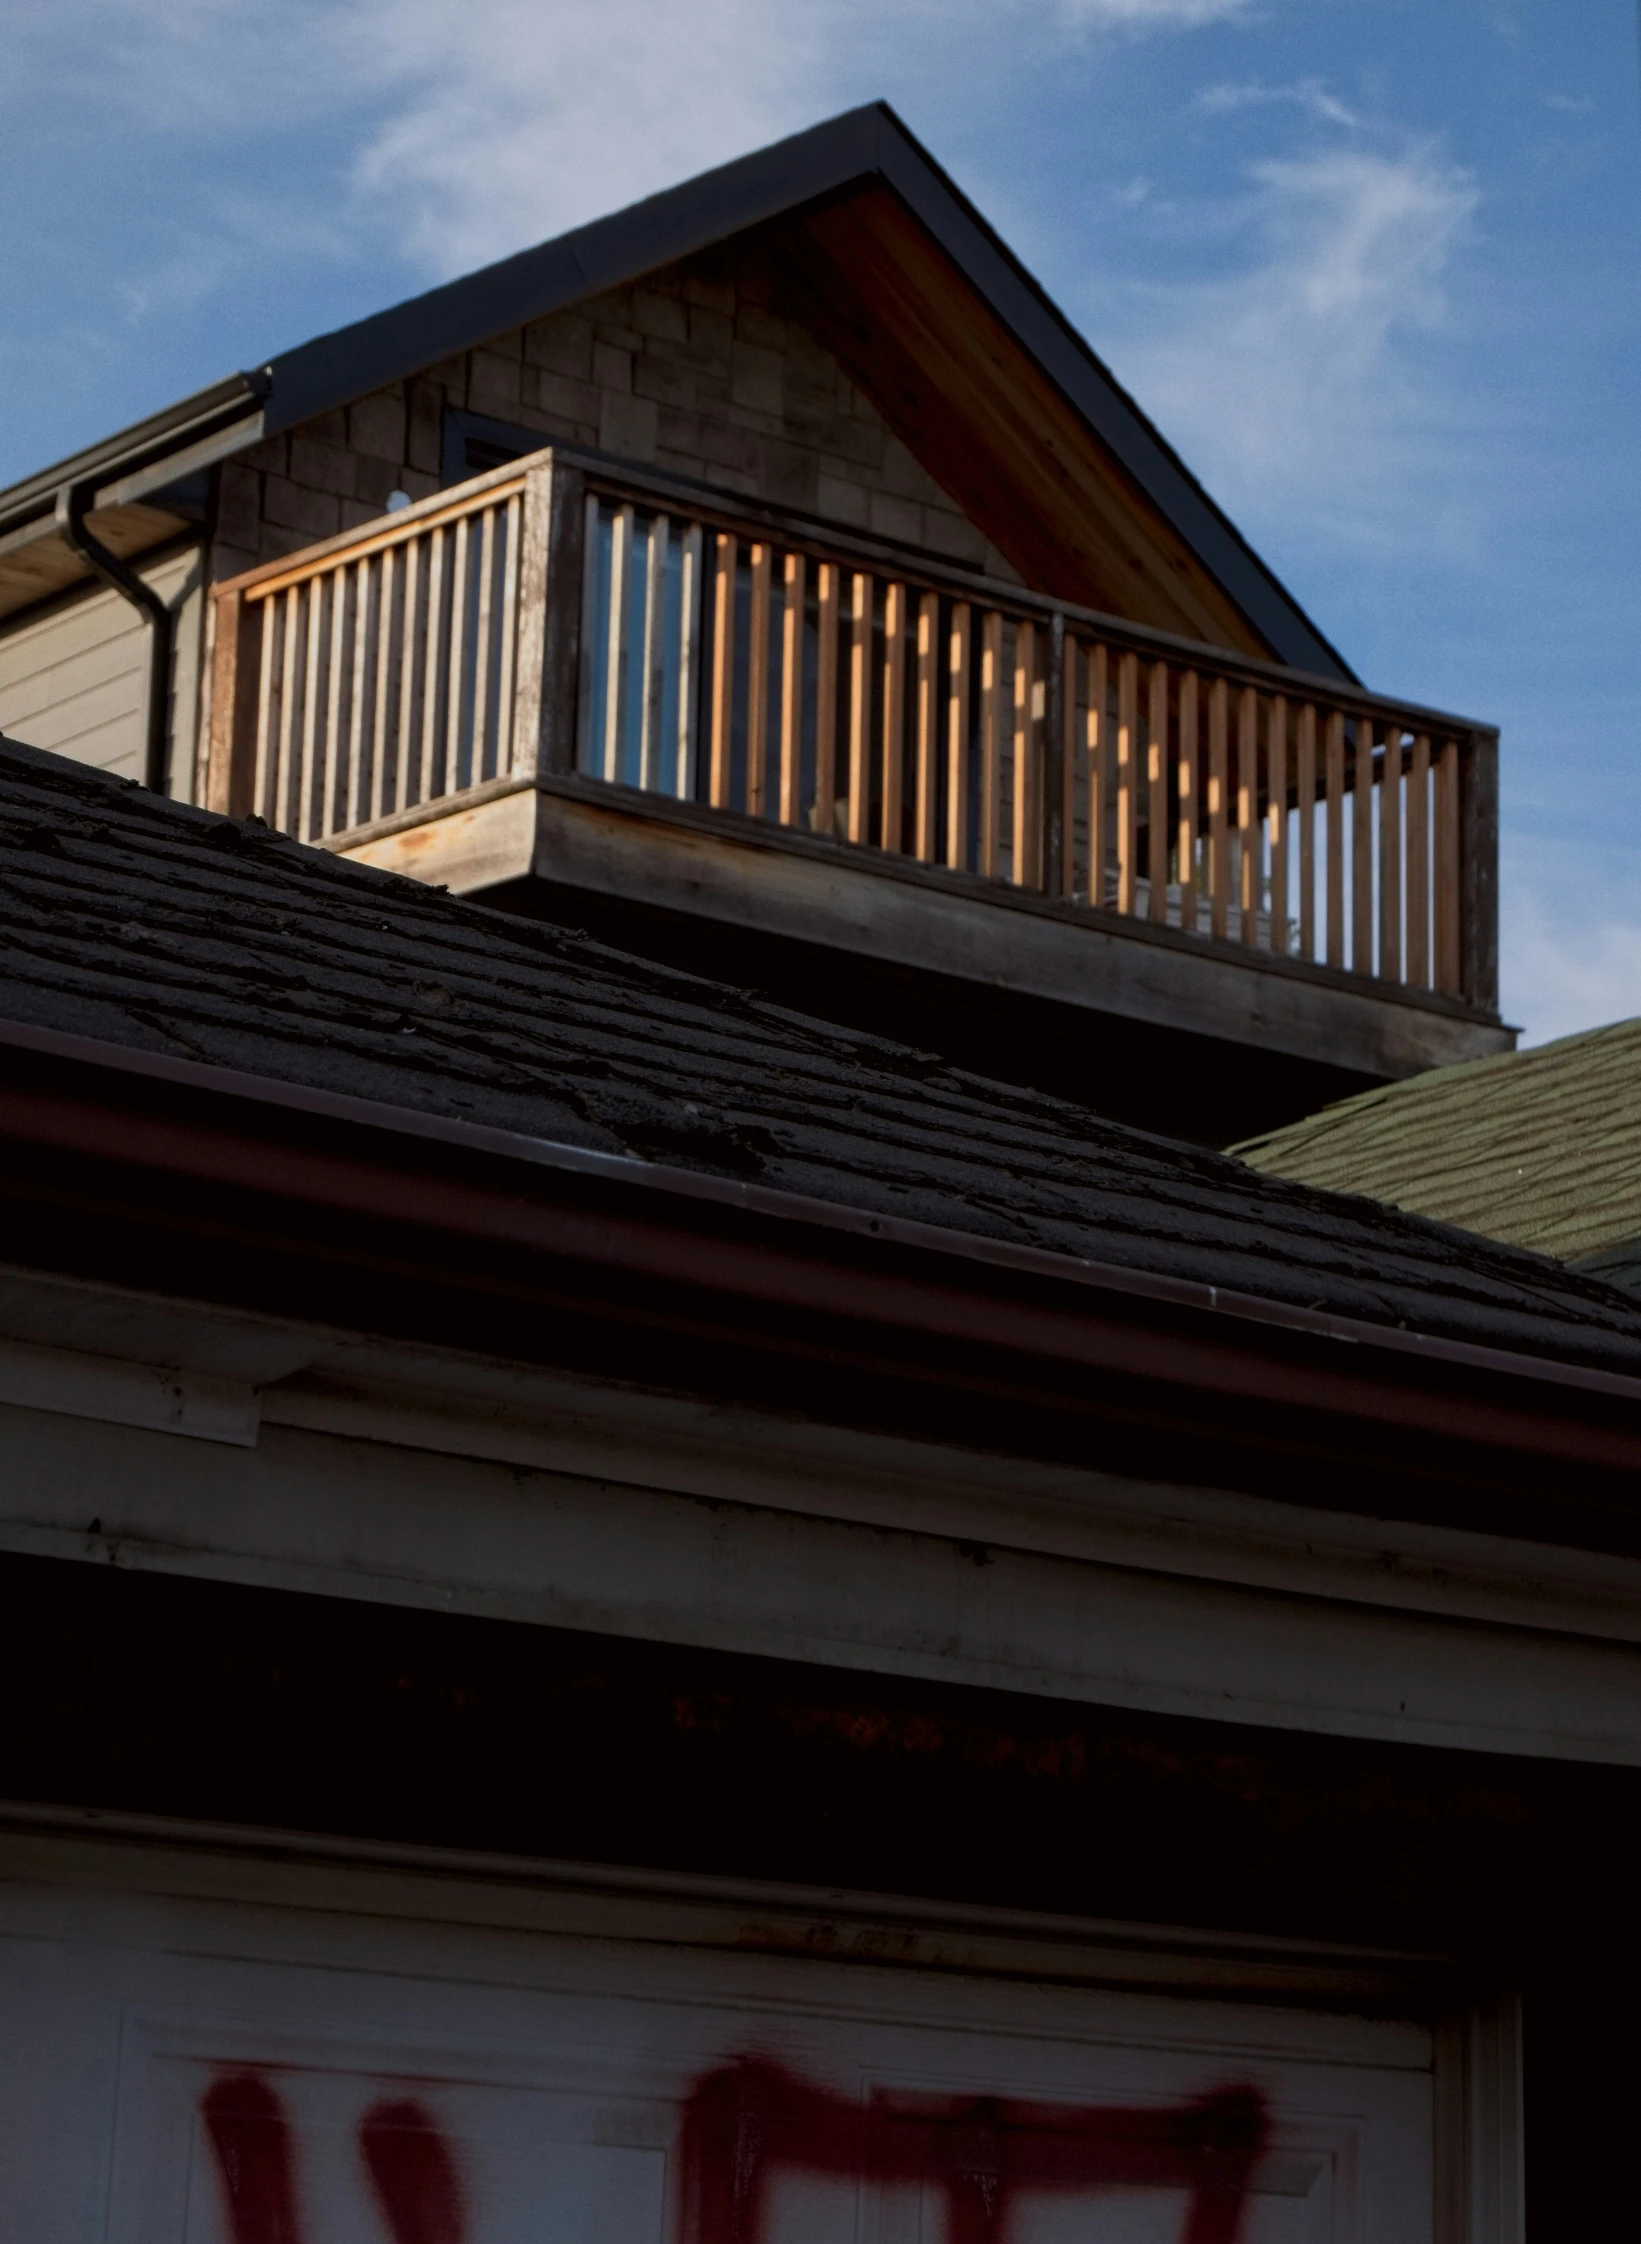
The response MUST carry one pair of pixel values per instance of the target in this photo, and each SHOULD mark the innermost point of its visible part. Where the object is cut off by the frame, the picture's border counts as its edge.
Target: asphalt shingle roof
(147, 924)
(1540, 1149)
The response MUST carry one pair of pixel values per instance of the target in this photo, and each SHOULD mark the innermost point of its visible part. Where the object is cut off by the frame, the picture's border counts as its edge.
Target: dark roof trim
(1345, 1387)
(862, 144)
(152, 445)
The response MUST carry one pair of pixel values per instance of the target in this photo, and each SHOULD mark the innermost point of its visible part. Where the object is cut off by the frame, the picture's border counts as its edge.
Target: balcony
(880, 786)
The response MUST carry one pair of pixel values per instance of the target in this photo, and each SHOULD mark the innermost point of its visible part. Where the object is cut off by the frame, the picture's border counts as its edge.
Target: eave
(138, 1168)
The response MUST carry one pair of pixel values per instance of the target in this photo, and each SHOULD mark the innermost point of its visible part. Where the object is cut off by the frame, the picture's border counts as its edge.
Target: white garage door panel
(202, 2075)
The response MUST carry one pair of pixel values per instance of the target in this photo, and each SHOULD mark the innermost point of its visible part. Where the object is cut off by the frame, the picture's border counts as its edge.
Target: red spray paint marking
(413, 2174)
(982, 2153)
(410, 2165)
(252, 2141)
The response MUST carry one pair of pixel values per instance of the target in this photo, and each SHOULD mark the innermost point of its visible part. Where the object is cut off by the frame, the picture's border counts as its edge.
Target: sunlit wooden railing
(555, 618)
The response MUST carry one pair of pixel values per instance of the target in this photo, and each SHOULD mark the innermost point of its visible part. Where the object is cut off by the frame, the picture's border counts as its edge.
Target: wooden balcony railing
(561, 617)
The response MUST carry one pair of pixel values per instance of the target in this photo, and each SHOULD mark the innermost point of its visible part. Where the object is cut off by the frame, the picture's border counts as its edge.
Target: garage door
(197, 2068)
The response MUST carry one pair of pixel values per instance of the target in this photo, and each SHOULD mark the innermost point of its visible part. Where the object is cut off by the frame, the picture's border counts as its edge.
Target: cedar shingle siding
(696, 368)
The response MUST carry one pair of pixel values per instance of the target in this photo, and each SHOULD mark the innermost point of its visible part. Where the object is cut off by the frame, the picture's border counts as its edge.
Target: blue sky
(1373, 265)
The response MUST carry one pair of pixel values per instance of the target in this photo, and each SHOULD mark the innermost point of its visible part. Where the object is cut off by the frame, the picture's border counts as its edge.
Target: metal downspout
(73, 504)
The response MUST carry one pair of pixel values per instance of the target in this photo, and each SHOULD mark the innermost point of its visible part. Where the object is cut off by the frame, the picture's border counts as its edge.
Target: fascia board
(657, 231)
(1030, 315)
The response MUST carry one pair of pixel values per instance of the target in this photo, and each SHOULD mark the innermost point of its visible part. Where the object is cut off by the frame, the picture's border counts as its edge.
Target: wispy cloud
(1309, 94)
(1292, 380)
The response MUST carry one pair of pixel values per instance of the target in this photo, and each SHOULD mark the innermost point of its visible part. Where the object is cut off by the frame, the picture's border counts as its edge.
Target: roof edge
(833, 1216)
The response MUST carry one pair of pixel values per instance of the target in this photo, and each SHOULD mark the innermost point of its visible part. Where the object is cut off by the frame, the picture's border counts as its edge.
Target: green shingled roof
(1540, 1149)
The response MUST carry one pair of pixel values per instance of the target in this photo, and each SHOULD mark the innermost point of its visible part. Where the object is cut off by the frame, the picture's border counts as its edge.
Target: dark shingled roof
(139, 921)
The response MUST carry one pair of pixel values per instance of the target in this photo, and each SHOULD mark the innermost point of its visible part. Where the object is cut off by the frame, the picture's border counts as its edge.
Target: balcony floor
(1198, 1039)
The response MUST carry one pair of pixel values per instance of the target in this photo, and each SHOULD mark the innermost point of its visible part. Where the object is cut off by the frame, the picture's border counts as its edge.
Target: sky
(1373, 266)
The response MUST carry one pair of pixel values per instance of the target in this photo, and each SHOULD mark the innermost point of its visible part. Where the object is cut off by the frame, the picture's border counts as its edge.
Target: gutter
(73, 505)
(1245, 1358)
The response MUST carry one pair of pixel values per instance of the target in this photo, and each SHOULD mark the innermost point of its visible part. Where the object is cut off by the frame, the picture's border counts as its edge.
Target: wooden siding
(701, 368)
(73, 675)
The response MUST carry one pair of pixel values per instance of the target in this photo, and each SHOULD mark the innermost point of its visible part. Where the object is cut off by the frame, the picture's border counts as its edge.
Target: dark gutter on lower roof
(715, 1263)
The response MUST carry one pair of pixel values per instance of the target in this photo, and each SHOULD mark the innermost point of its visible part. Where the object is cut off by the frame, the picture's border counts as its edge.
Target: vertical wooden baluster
(653, 667)
(721, 746)
(1418, 864)
(794, 593)
(1099, 773)
(512, 530)
(304, 823)
(1361, 839)
(1247, 815)
(615, 646)
(1390, 857)
(1335, 764)
(483, 634)
(385, 575)
(1276, 818)
(589, 755)
(826, 697)
(1189, 781)
(1027, 815)
(333, 766)
(1065, 877)
(1156, 783)
(926, 809)
(355, 794)
(404, 669)
(432, 647)
(757, 685)
(957, 738)
(329, 756)
(1449, 970)
(455, 706)
(860, 708)
(894, 716)
(689, 662)
(1307, 829)
(1128, 806)
(991, 740)
(266, 716)
(1219, 803)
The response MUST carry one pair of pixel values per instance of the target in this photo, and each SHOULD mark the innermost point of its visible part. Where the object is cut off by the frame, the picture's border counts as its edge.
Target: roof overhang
(919, 296)
(140, 488)
(208, 1185)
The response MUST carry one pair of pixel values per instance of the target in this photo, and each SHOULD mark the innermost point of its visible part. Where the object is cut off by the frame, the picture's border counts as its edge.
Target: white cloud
(507, 121)
(1309, 94)
(1293, 382)
(1152, 15)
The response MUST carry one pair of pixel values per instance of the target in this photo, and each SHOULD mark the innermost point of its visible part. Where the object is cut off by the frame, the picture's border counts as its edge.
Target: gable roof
(1541, 1149)
(1071, 411)
(158, 929)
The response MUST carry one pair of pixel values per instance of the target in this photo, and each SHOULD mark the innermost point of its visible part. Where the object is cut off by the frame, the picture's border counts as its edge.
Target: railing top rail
(828, 542)
(825, 541)
(384, 530)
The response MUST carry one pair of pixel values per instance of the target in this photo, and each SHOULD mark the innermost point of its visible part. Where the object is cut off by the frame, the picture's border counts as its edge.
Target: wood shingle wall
(697, 368)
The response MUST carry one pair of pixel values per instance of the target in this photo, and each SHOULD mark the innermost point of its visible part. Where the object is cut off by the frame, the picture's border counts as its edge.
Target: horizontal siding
(73, 678)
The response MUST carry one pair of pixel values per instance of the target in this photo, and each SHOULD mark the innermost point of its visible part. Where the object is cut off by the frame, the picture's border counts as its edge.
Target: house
(1541, 1149)
(633, 1616)
(770, 579)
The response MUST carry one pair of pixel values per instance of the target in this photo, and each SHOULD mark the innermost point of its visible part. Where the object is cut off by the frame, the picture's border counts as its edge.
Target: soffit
(986, 421)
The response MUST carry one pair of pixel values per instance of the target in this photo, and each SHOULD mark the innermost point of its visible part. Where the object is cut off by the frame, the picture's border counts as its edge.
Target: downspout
(73, 504)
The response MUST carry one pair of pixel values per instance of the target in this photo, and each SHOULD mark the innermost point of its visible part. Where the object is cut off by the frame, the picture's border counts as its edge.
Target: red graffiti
(413, 2175)
(252, 2140)
(411, 2168)
(744, 2122)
